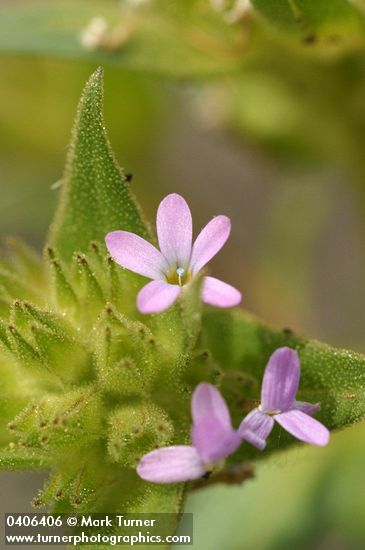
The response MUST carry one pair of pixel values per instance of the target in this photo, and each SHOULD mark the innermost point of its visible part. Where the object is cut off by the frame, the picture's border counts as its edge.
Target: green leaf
(315, 22)
(22, 459)
(95, 197)
(241, 346)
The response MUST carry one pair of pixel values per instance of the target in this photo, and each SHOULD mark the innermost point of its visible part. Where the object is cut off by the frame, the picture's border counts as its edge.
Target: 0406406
(22, 520)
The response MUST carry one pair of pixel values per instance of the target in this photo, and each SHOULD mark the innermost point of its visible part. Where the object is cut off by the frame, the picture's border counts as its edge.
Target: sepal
(63, 294)
(57, 422)
(136, 429)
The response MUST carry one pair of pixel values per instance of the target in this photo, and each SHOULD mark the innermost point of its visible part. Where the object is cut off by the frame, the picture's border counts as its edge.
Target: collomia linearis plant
(89, 385)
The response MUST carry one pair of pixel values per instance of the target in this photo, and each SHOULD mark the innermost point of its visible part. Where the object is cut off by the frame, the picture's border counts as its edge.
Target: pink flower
(213, 439)
(177, 262)
(278, 403)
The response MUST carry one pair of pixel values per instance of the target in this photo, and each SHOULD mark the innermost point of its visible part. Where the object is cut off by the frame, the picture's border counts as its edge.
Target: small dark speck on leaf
(50, 252)
(310, 39)
(348, 395)
(128, 177)
(81, 259)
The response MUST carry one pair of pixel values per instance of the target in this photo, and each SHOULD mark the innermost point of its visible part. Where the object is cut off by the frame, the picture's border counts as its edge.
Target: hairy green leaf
(22, 459)
(95, 197)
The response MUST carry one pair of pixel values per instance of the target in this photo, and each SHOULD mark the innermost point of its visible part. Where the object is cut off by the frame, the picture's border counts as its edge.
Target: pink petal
(281, 381)
(209, 241)
(134, 253)
(256, 427)
(171, 465)
(303, 427)
(175, 230)
(207, 401)
(219, 294)
(212, 433)
(307, 408)
(157, 296)
(212, 441)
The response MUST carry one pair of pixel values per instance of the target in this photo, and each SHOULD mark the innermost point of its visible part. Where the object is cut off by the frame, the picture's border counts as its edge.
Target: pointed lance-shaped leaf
(95, 197)
(52, 321)
(63, 293)
(64, 356)
(19, 315)
(25, 353)
(91, 287)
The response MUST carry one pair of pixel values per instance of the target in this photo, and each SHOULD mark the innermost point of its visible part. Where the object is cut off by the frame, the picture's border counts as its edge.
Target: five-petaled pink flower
(213, 439)
(178, 260)
(278, 402)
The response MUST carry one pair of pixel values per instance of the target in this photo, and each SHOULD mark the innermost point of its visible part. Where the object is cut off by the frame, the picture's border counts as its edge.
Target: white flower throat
(178, 276)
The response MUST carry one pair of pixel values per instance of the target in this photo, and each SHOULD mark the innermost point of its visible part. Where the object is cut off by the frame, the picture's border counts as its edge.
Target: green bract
(89, 385)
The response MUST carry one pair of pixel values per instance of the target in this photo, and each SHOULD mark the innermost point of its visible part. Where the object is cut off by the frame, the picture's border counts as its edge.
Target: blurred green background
(276, 144)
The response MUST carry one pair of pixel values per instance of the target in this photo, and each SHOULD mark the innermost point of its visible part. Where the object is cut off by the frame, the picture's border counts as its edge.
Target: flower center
(180, 273)
(178, 276)
(269, 413)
